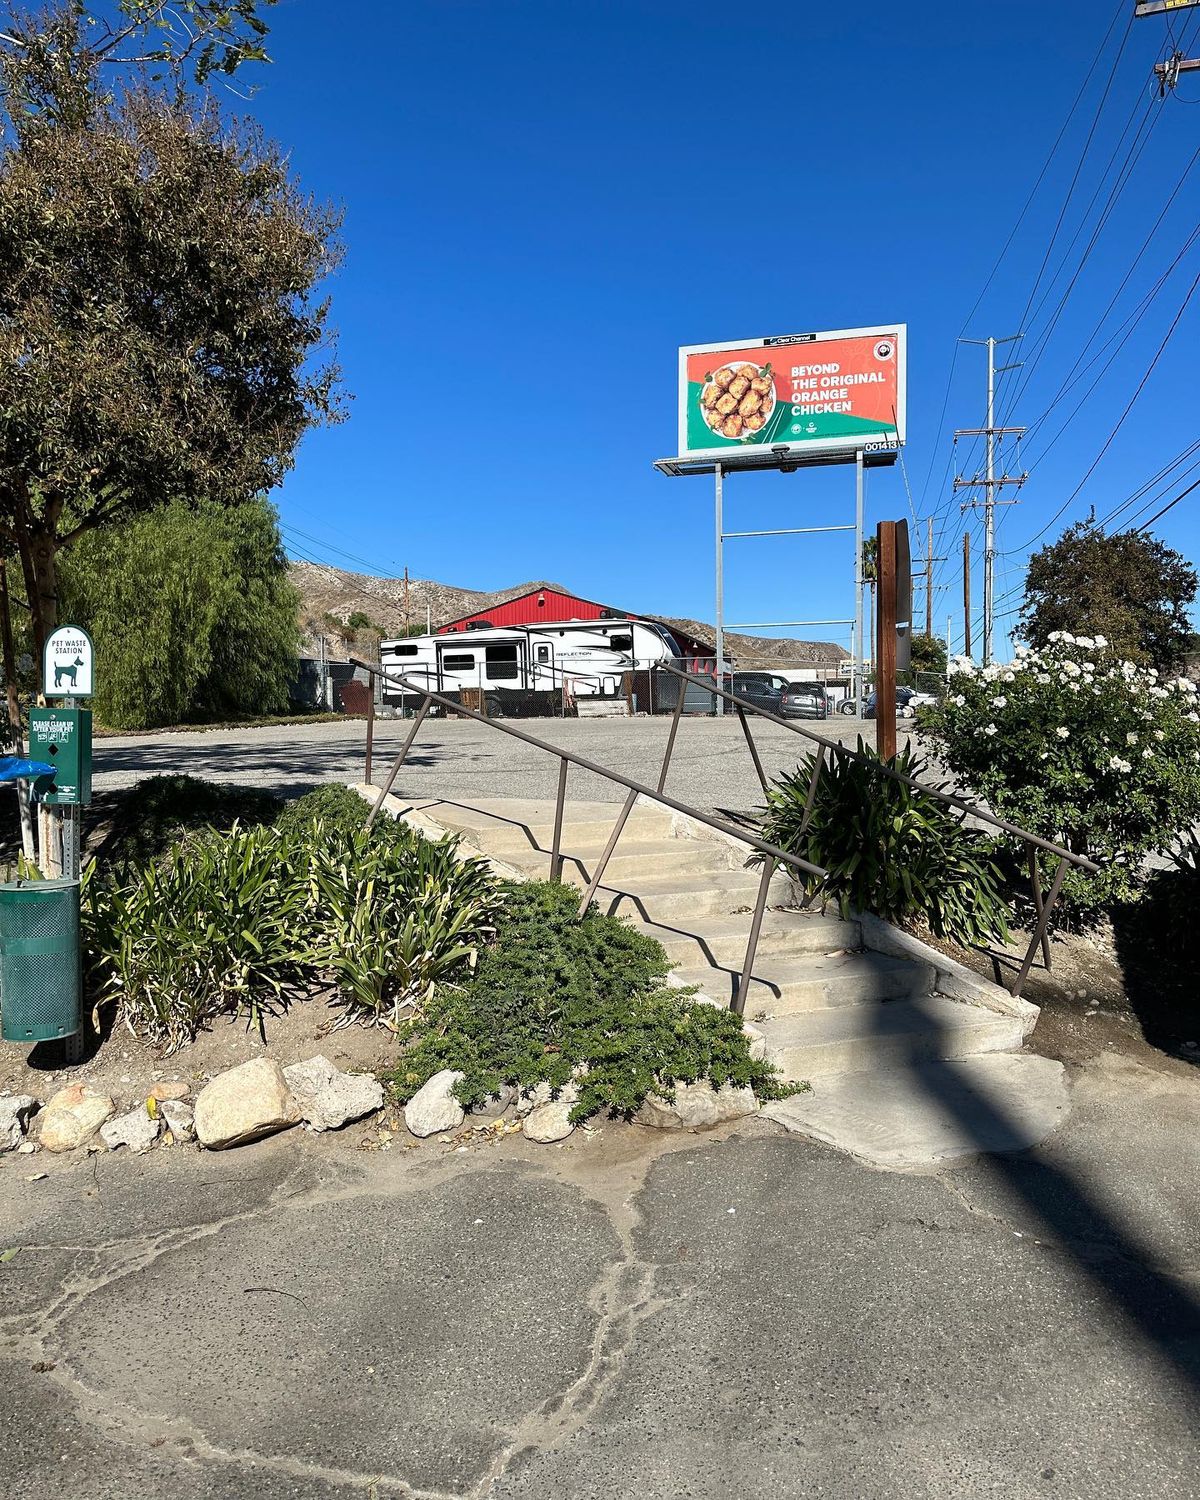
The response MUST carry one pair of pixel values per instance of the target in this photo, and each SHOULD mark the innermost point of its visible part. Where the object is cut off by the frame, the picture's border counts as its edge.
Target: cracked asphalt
(745, 1314)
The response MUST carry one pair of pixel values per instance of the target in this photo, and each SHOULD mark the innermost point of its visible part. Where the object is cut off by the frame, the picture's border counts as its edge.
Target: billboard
(816, 393)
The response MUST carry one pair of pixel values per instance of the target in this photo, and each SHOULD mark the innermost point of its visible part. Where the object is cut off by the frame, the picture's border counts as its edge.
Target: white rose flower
(1131, 738)
(1117, 764)
(1193, 717)
(1159, 735)
(1055, 635)
(1085, 641)
(989, 729)
(958, 700)
(1147, 753)
(1000, 702)
(1101, 642)
(1008, 677)
(1070, 668)
(1063, 732)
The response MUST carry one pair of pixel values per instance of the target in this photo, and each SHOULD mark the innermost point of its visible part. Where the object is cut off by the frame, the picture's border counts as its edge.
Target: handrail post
(1035, 881)
(672, 732)
(1042, 927)
(738, 1005)
(556, 851)
(370, 725)
(399, 761)
(813, 782)
(594, 883)
(762, 775)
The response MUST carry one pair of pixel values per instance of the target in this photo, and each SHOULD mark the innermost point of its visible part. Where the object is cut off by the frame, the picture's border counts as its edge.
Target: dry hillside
(327, 592)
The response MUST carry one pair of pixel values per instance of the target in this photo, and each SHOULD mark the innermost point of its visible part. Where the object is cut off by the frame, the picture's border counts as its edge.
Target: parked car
(805, 700)
(763, 689)
(905, 707)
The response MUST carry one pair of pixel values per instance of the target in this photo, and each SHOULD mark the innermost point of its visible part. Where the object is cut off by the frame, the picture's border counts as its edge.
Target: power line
(1159, 514)
(1108, 442)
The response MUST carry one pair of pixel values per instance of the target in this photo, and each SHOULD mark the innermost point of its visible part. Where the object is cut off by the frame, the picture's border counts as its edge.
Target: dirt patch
(1086, 1010)
(124, 1066)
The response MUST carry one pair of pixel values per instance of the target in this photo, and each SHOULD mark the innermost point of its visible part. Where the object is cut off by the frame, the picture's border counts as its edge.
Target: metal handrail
(1043, 904)
(699, 679)
(773, 855)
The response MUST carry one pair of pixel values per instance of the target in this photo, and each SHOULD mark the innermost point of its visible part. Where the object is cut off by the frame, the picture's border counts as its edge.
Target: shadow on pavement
(1121, 1266)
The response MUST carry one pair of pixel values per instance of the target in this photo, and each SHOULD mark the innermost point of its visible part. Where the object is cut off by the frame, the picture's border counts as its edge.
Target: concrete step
(663, 898)
(721, 940)
(788, 985)
(507, 834)
(653, 858)
(857, 1038)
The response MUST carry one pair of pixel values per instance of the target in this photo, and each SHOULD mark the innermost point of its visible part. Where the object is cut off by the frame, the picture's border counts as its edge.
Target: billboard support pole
(719, 500)
(859, 664)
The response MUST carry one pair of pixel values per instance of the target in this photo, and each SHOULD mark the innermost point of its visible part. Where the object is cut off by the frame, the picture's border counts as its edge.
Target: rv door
(543, 666)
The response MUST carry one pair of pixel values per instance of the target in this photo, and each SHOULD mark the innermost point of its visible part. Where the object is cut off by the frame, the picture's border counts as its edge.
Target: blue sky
(557, 195)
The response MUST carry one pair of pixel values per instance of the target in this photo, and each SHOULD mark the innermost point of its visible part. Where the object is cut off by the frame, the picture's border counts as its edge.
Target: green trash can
(39, 960)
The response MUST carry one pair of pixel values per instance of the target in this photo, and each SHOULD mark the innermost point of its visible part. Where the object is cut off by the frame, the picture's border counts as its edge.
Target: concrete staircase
(825, 1004)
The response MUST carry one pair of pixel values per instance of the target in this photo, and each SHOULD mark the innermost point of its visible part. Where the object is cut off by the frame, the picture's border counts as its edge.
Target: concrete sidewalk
(747, 1316)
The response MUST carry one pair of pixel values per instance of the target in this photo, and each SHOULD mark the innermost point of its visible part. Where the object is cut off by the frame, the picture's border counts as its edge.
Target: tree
(928, 654)
(1128, 587)
(158, 322)
(191, 613)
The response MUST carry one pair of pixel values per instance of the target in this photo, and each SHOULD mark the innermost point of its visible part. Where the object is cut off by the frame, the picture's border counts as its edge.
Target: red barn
(538, 607)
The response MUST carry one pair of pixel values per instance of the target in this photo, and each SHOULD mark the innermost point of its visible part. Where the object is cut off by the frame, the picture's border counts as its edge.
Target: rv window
(622, 643)
(501, 661)
(458, 662)
(543, 653)
(402, 650)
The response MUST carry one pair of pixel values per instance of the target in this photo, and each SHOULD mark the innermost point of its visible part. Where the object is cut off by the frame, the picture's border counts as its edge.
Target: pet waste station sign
(67, 664)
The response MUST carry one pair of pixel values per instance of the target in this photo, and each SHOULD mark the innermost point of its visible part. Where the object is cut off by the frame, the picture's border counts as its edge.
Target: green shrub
(890, 849)
(552, 995)
(239, 922)
(1082, 748)
(149, 818)
(1155, 941)
(219, 926)
(341, 811)
(396, 914)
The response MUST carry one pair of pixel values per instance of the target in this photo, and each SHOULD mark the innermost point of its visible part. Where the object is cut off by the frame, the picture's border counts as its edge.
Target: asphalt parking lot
(711, 766)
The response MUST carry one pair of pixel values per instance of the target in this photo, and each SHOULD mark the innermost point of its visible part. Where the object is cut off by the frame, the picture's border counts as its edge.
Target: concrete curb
(954, 980)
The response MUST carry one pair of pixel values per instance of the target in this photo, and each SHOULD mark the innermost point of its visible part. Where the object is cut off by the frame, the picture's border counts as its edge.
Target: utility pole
(1168, 72)
(966, 595)
(407, 621)
(989, 482)
(929, 577)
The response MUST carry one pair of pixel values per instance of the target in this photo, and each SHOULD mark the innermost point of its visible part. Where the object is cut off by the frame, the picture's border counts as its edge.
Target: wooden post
(885, 646)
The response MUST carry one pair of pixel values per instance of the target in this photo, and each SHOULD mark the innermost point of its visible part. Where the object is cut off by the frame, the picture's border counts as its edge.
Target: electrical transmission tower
(990, 482)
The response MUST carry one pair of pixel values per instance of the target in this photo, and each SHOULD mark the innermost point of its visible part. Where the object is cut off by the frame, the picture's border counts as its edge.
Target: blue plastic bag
(16, 768)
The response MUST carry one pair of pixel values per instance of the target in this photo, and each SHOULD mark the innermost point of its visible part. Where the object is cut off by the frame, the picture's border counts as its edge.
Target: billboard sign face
(813, 393)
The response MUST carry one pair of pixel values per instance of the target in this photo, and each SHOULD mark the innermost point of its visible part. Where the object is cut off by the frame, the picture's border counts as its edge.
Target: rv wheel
(495, 708)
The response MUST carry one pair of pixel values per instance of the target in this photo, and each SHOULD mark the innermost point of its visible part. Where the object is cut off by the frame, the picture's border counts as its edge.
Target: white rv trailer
(584, 658)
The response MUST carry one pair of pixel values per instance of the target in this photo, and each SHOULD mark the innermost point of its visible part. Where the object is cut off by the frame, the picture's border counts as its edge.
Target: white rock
(329, 1098)
(179, 1118)
(73, 1115)
(547, 1120)
(757, 1040)
(244, 1104)
(697, 1106)
(135, 1130)
(15, 1110)
(433, 1107)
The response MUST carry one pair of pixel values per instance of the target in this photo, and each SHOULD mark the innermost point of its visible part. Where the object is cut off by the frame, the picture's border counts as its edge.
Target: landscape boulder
(244, 1104)
(162, 1092)
(329, 1098)
(433, 1107)
(73, 1116)
(137, 1130)
(15, 1110)
(697, 1106)
(179, 1118)
(548, 1119)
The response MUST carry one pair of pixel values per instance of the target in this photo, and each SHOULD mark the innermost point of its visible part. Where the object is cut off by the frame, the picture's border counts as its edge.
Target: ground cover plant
(146, 820)
(1082, 747)
(241, 921)
(554, 999)
(889, 849)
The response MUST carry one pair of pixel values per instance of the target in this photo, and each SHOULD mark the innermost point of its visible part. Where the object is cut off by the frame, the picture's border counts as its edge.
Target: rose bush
(1080, 747)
